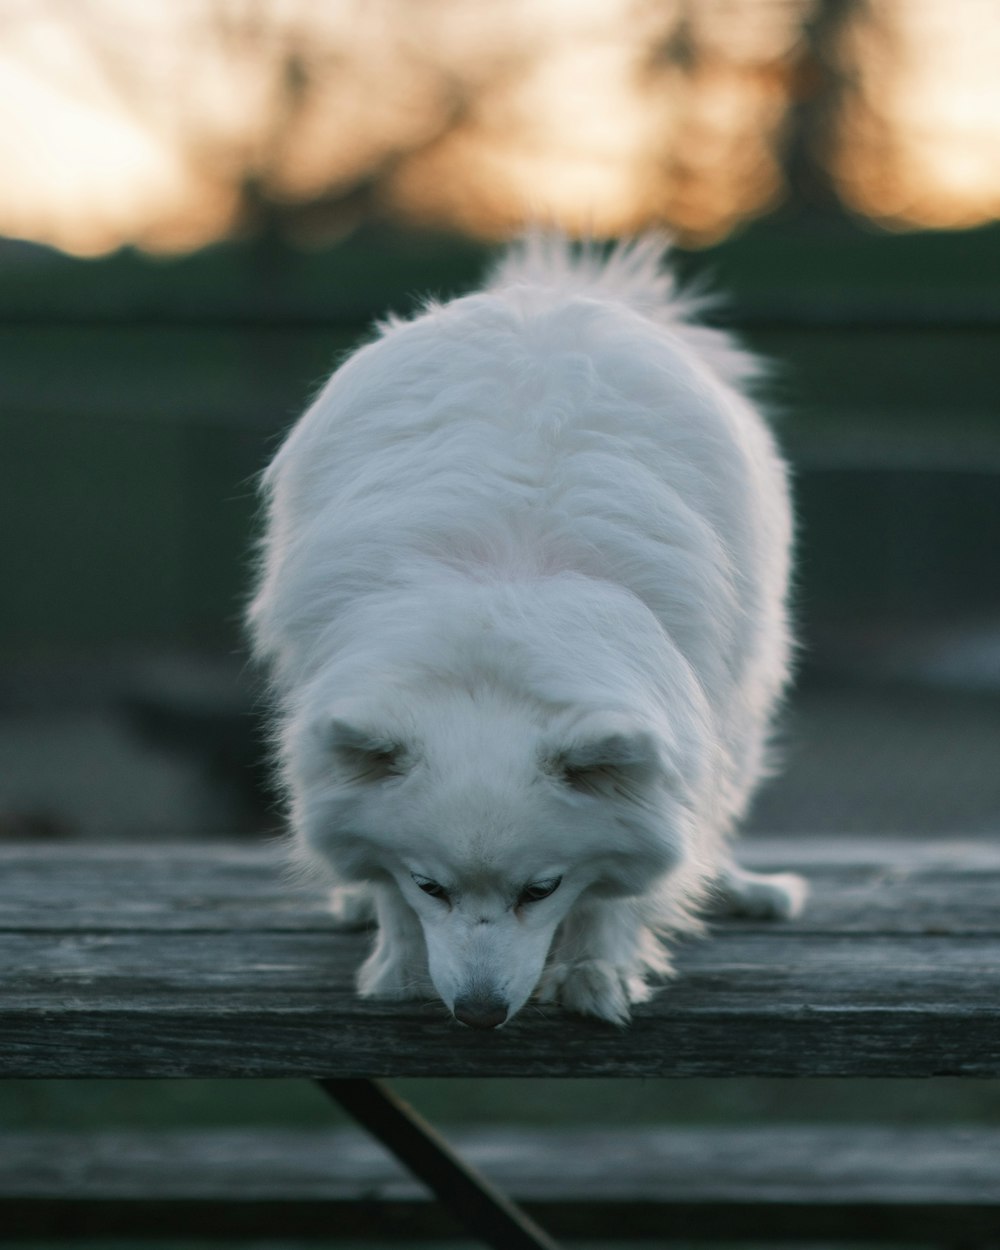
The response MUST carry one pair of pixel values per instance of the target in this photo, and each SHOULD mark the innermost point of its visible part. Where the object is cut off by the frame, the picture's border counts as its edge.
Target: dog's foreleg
(599, 960)
(397, 966)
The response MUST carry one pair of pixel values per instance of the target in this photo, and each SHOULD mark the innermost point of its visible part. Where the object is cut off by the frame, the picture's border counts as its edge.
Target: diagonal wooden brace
(478, 1205)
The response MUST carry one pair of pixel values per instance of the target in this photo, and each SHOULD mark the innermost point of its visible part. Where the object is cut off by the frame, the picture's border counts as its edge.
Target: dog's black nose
(485, 1011)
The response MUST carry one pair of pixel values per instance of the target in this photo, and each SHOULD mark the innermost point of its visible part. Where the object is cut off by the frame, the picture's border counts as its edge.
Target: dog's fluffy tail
(633, 272)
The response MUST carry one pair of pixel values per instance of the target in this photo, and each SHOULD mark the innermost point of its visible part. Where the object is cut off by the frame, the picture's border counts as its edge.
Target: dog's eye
(432, 888)
(538, 890)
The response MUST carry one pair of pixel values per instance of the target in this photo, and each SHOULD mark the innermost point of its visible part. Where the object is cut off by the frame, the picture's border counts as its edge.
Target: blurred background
(204, 203)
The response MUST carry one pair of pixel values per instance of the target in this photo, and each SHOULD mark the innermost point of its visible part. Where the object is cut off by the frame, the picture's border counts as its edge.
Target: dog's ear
(363, 751)
(607, 754)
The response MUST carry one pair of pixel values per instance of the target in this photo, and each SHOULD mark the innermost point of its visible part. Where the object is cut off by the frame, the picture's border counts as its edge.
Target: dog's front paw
(594, 987)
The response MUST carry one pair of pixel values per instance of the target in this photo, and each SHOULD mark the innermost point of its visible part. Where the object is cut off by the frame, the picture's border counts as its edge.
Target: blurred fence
(139, 399)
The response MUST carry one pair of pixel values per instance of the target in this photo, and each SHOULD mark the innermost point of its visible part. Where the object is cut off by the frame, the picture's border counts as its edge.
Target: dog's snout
(481, 1011)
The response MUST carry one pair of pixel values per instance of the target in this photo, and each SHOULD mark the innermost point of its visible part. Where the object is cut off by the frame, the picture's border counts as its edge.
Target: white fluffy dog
(523, 598)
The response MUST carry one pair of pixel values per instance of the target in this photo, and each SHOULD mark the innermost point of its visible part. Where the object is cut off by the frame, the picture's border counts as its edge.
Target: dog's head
(492, 819)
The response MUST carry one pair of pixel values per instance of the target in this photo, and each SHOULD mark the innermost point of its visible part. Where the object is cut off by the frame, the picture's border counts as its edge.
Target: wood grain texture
(860, 1181)
(202, 961)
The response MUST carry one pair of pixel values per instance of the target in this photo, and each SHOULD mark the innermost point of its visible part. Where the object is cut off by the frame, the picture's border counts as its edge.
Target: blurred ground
(432, 1245)
(885, 759)
(900, 737)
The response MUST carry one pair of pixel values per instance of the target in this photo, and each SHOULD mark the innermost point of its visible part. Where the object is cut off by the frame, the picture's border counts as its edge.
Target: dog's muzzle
(481, 1011)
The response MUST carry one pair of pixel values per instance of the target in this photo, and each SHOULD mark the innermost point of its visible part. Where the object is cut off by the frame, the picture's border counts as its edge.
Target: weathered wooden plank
(220, 885)
(197, 961)
(762, 1164)
(857, 1181)
(134, 972)
(281, 1004)
(859, 885)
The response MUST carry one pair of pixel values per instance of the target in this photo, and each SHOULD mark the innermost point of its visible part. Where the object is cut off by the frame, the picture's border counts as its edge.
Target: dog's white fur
(523, 595)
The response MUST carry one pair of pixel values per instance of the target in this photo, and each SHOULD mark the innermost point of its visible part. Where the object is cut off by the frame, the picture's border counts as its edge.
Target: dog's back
(568, 419)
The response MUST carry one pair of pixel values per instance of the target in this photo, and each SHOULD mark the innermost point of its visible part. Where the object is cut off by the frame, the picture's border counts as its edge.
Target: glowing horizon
(143, 124)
